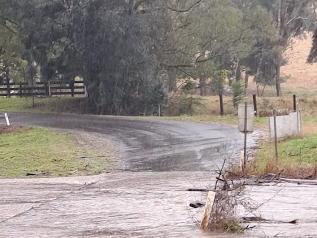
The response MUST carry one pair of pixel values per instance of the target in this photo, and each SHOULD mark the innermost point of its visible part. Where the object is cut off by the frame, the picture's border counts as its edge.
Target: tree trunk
(172, 82)
(238, 72)
(278, 78)
(278, 64)
(246, 81)
(202, 86)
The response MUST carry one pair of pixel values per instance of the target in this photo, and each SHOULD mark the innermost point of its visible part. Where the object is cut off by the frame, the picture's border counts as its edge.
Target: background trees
(290, 18)
(130, 52)
(11, 63)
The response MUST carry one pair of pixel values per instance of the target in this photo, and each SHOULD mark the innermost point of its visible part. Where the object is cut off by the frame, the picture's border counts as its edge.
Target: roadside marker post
(6, 117)
(246, 117)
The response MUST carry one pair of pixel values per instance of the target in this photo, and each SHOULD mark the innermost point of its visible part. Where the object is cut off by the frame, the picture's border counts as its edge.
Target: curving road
(146, 197)
(153, 145)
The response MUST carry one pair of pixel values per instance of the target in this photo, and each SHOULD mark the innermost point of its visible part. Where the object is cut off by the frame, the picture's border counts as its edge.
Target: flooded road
(282, 203)
(147, 195)
(143, 204)
(114, 205)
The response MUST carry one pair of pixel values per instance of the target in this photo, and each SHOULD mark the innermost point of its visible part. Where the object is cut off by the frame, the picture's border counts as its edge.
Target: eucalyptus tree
(11, 64)
(223, 35)
(313, 53)
(114, 45)
(291, 18)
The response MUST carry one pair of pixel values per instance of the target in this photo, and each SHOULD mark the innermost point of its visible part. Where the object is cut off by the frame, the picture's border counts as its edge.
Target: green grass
(15, 104)
(227, 119)
(44, 152)
(297, 158)
(297, 150)
(310, 119)
(53, 104)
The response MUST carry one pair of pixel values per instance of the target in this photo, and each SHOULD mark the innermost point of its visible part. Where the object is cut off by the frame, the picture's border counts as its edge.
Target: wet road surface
(153, 145)
(147, 196)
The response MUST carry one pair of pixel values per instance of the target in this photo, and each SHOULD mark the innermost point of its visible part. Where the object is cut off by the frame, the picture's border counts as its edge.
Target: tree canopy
(130, 52)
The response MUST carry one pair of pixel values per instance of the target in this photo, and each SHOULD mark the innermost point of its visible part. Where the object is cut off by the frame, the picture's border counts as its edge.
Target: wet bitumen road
(147, 194)
(152, 145)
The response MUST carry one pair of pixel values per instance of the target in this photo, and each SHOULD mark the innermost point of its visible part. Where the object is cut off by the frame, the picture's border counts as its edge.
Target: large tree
(222, 35)
(11, 64)
(291, 18)
(313, 53)
(114, 45)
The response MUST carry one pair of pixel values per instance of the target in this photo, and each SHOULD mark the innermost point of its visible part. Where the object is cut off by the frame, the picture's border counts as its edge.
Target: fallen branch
(262, 220)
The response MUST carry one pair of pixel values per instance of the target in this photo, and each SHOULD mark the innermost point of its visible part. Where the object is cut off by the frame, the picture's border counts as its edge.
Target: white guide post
(7, 119)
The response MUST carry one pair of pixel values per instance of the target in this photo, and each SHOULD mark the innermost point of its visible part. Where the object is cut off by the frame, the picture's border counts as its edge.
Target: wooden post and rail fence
(45, 89)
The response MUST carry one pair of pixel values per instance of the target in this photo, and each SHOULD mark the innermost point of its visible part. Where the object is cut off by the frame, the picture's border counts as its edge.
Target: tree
(114, 45)
(291, 18)
(223, 35)
(313, 53)
(11, 64)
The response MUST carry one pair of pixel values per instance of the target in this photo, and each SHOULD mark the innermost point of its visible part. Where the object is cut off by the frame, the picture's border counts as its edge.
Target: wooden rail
(53, 88)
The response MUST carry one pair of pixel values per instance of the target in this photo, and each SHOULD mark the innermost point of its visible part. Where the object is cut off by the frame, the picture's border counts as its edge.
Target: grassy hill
(301, 76)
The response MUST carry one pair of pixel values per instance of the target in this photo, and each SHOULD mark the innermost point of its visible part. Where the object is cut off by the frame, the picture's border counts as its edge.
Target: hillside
(301, 77)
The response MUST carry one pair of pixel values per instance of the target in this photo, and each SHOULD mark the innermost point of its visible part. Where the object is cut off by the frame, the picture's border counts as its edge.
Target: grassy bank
(53, 104)
(45, 152)
(297, 159)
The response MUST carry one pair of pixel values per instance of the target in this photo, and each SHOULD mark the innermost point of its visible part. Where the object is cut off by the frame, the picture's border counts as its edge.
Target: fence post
(255, 106)
(294, 103)
(159, 110)
(245, 157)
(8, 87)
(49, 89)
(20, 91)
(275, 135)
(72, 88)
(46, 88)
(221, 104)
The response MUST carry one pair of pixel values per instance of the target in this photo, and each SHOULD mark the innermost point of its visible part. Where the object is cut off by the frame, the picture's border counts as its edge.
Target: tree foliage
(11, 63)
(130, 52)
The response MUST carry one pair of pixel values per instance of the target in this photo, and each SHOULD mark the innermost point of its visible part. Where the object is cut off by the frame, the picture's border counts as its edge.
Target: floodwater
(146, 196)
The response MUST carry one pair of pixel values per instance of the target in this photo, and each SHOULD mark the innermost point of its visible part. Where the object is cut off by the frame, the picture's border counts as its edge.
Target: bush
(238, 92)
(182, 105)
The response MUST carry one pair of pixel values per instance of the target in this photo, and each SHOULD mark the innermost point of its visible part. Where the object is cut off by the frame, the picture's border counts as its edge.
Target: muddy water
(167, 158)
(113, 205)
(281, 204)
(142, 204)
